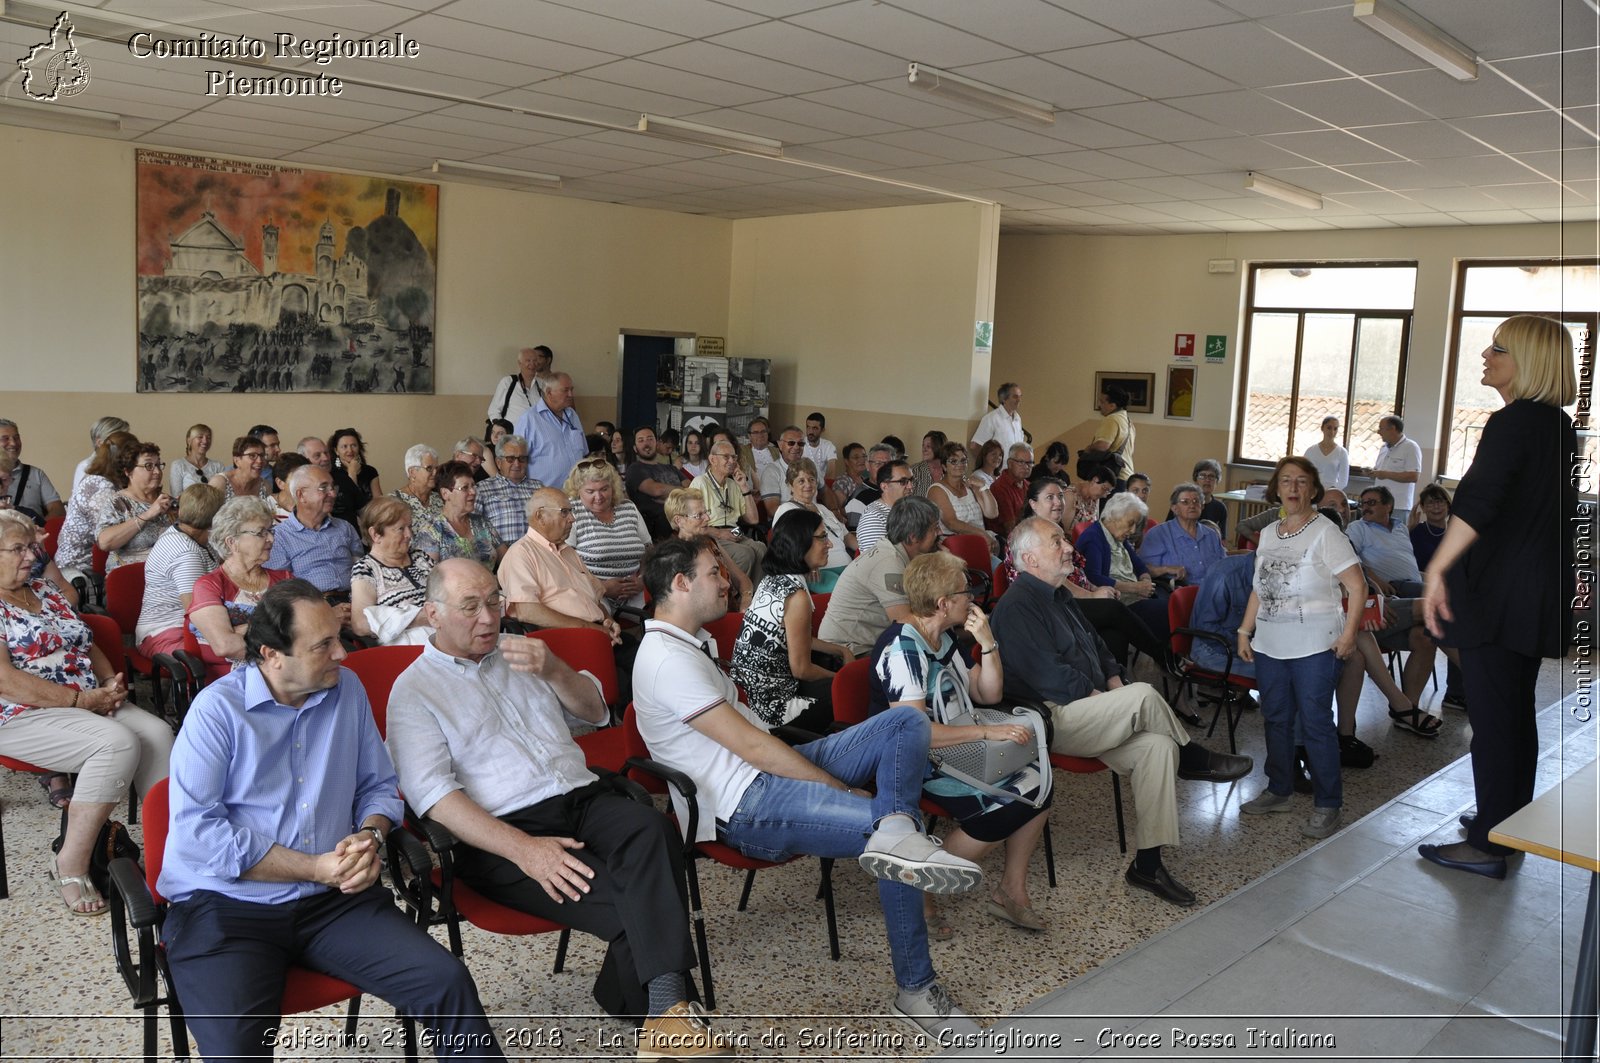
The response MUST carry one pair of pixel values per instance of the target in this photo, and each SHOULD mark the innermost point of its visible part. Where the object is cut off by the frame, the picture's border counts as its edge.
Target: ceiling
(1163, 105)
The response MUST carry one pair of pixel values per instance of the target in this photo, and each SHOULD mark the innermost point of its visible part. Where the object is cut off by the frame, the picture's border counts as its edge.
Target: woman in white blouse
(1331, 459)
(802, 479)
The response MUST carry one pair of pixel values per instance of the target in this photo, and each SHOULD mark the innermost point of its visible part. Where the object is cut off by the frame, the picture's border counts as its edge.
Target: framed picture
(1141, 389)
(1180, 392)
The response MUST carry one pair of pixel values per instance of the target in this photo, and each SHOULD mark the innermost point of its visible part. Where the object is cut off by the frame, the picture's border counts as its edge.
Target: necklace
(1297, 531)
(23, 597)
(1436, 534)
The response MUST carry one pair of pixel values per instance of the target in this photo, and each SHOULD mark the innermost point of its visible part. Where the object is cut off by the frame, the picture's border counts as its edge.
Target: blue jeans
(779, 817)
(1296, 701)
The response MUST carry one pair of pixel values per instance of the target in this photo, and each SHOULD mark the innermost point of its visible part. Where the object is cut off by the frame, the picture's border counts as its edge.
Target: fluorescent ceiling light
(1281, 190)
(709, 136)
(1418, 36)
(65, 119)
(956, 87)
(499, 176)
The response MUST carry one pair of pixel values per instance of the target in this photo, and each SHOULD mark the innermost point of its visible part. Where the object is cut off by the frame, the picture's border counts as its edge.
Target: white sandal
(87, 894)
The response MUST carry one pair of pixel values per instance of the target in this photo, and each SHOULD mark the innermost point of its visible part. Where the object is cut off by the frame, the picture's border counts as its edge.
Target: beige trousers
(108, 753)
(747, 554)
(1134, 731)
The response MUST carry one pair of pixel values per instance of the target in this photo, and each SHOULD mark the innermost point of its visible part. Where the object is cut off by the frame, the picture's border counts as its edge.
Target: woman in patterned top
(395, 574)
(608, 531)
(774, 659)
(245, 479)
(63, 706)
(685, 510)
(75, 544)
(458, 531)
(128, 522)
(224, 598)
(422, 469)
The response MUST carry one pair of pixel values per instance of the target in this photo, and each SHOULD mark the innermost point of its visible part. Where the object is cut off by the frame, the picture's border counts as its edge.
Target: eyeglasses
(1371, 503)
(253, 455)
(791, 442)
(514, 459)
(259, 533)
(901, 480)
(955, 461)
(1024, 462)
(149, 466)
(565, 512)
(16, 551)
(472, 606)
(1188, 500)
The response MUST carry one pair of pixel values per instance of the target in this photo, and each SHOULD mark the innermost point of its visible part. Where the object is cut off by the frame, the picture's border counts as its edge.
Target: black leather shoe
(1224, 767)
(1485, 864)
(1191, 718)
(1162, 884)
(1467, 820)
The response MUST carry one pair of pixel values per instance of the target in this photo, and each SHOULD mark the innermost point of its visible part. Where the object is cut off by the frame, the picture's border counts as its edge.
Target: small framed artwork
(1141, 389)
(1180, 392)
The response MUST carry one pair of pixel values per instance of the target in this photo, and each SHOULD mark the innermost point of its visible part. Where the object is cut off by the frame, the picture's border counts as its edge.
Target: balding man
(1050, 652)
(553, 431)
(478, 729)
(314, 546)
(545, 581)
(316, 452)
(515, 395)
(1010, 488)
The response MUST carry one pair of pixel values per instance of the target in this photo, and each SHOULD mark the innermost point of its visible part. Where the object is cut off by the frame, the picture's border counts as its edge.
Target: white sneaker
(1322, 823)
(930, 1011)
(1264, 802)
(918, 860)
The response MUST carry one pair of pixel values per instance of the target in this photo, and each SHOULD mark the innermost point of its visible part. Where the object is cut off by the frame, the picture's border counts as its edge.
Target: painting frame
(273, 279)
(1141, 389)
(1181, 381)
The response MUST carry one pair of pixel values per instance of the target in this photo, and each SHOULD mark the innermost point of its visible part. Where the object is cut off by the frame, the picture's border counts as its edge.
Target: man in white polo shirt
(1400, 463)
(771, 801)
(1003, 423)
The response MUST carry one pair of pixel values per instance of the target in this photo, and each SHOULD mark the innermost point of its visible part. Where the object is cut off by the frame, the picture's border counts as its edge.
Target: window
(1486, 294)
(1323, 340)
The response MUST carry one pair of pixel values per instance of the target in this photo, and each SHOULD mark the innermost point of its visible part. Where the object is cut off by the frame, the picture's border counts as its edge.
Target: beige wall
(1068, 306)
(868, 315)
(514, 269)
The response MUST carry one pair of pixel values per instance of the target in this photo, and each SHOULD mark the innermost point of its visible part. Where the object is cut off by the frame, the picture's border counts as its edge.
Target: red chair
(586, 650)
(52, 534)
(136, 903)
(1223, 689)
(973, 550)
(819, 606)
(1002, 582)
(433, 895)
(124, 597)
(725, 630)
(1078, 529)
(657, 778)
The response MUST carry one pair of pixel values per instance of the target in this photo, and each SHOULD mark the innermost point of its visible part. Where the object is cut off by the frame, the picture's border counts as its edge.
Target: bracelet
(75, 696)
(992, 649)
(1242, 631)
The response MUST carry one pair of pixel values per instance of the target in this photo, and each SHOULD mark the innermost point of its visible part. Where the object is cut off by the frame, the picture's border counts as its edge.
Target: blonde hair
(928, 578)
(595, 470)
(1542, 350)
(677, 503)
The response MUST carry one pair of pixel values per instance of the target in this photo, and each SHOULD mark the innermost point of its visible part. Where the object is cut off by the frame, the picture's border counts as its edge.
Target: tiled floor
(1342, 930)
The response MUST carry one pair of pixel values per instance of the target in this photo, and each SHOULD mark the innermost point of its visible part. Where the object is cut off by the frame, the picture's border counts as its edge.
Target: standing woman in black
(1501, 582)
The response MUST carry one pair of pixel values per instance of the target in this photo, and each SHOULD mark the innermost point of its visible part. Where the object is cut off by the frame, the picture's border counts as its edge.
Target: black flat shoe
(1489, 866)
(1467, 820)
(1162, 884)
(1191, 718)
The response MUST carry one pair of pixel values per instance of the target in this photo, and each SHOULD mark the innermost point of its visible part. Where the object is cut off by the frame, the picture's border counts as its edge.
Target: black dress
(1512, 594)
(353, 494)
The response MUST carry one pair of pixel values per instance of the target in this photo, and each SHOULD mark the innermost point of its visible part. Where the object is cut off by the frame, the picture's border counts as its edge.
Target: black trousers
(1500, 689)
(1119, 627)
(228, 959)
(637, 900)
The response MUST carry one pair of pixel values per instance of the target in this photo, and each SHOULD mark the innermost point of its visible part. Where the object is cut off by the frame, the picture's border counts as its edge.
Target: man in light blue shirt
(282, 795)
(1384, 546)
(311, 544)
(553, 431)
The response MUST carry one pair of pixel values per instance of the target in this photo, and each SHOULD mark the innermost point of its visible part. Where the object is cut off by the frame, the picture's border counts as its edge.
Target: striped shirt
(612, 550)
(505, 503)
(398, 587)
(175, 562)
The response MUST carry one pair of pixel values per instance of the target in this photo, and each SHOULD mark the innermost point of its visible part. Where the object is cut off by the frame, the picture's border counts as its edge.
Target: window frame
(1405, 317)
(1458, 315)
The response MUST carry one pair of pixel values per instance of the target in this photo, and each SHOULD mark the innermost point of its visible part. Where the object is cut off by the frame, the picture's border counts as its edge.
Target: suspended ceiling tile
(1454, 200)
(1445, 97)
(1335, 35)
(1008, 138)
(1247, 54)
(1483, 169)
(899, 32)
(1089, 133)
(567, 24)
(754, 70)
(691, 18)
(918, 111)
(504, 42)
(1384, 203)
(1421, 140)
(1066, 90)
(1492, 217)
(1346, 102)
(1140, 69)
(1533, 131)
(1140, 18)
(1498, 30)
(1169, 158)
(1025, 25)
(1103, 165)
(1157, 121)
(1244, 153)
(803, 47)
(1188, 189)
(686, 84)
(1120, 192)
(1394, 176)
(1323, 179)
(1300, 224)
(936, 144)
(1543, 194)
(1332, 148)
(1250, 113)
(816, 115)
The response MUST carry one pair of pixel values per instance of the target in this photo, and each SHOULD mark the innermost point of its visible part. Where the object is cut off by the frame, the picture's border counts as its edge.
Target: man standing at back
(515, 394)
(1400, 463)
(1003, 423)
(553, 431)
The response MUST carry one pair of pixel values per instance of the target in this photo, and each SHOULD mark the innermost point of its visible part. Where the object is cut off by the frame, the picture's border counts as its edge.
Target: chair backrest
(1078, 529)
(125, 595)
(852, 691)
(191, 641)
(633, 746)
(1002, 582)
(725, 630)
(585, 650)
(156, 823)
(52, 534)
(98, 559)
(107, 638)
(378, 668)
(1180, 604)
(819, 605)
(972, 549)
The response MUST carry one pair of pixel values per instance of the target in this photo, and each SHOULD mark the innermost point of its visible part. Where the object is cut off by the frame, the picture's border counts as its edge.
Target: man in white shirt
(515, 393)
(774, 485)
(771, 801)
(821, 451)
(1002, 423)
(478, 730)
(1400, 463)
(30, 488)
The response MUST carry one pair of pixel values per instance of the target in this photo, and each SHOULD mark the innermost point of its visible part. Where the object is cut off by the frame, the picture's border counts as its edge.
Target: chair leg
(1116, 800)
(744, 895)
(561, 951)
(150, 1034)
(5, 886)
(825, 887)
(697, 917)
(408, 1037)
(1049, 855)
(348, 1038)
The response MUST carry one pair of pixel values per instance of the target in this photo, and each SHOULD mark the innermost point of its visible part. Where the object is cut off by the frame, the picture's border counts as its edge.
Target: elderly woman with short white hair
(63, 707)
(223, 599)
(1108, 561)
(418, 493)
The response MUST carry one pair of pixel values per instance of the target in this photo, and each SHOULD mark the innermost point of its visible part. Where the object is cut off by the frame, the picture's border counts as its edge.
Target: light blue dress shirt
(555, 442)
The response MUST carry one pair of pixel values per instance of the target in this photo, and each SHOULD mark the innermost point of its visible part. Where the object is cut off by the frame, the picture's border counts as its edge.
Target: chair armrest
(128, 884)
(678, 781)
(794, 736)
(509, 626)
(625, 786)
(440, 840)
(411, 872)
(132, 905)
(632, 612)
(1212, 636)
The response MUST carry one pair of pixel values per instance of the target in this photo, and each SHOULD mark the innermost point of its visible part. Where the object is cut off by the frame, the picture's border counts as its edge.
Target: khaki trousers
(747, 554)
(1134, 731)
(107, 752)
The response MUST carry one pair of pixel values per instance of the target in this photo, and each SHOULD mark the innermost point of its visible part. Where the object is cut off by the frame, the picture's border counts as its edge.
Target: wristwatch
(378, 837)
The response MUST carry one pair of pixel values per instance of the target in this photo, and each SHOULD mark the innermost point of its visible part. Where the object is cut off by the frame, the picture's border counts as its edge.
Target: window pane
(1377, 385)
(1324, 376)
(1532, 289)
(1266, 408)
(1337, 287)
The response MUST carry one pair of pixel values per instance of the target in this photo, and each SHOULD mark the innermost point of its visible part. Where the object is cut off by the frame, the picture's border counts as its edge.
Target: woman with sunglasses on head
(608, 531)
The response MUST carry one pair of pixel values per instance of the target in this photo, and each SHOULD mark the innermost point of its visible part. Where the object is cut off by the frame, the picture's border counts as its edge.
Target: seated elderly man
(1010, 488)
(895, 482)
(773, 482)
(469, 451)
(771, 801)
(31, 490)
(312, 545)
(1183, 546)
(314, 450)
(730, 498)
(503, 499)
(864, 491)
(649, 482)
(545, 581)
(478, 728)
(1050, 652)
(870, 593)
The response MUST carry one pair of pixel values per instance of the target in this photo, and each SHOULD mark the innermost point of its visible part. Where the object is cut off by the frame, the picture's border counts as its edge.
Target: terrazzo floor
(778, 992)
